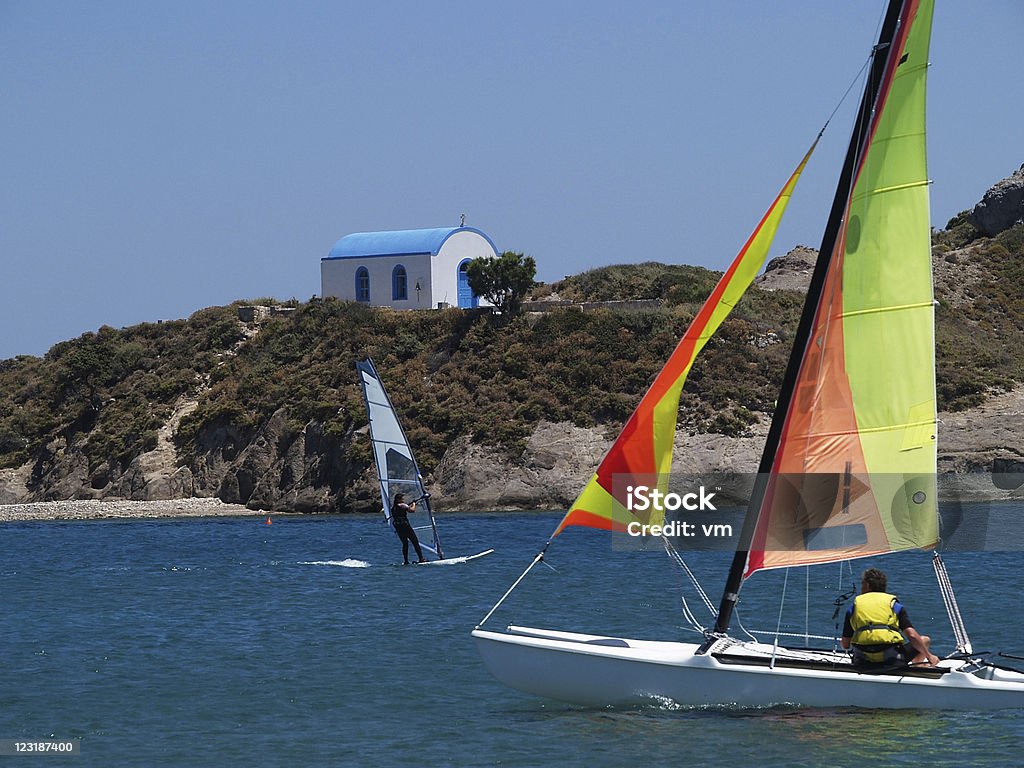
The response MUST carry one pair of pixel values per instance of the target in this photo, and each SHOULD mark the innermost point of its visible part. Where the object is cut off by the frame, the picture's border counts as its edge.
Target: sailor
(879, 630)
(400, 520)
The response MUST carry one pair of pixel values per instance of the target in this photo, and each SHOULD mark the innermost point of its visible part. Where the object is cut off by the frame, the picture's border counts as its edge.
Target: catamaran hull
(602, 671)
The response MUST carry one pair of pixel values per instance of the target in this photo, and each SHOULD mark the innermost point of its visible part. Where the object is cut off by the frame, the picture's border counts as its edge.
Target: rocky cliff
(308, 474)
(1002, 206)
(791, 272)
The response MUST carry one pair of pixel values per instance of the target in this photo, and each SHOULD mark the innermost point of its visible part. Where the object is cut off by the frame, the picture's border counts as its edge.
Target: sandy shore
(117, 509)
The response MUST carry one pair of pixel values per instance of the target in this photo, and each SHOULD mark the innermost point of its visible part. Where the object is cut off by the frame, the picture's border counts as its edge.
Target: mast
(856, 149)
(430, 514)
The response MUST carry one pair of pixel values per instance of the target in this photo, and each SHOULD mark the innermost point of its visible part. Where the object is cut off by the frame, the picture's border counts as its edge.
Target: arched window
(467, 299)
(362, 284)
(399, 284)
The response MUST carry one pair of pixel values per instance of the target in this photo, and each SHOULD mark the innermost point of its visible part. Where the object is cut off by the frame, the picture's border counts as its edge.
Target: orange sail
(853, 471)
(643, 450)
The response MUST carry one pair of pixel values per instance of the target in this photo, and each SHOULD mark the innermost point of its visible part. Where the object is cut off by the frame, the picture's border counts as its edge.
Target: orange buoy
(269, 521)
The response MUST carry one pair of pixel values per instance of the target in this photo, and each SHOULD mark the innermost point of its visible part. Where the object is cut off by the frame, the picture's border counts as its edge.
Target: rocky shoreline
(90, 509)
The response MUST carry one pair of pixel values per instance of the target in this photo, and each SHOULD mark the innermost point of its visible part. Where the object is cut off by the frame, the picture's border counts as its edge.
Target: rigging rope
(677, 558)
(788, 634)
(782, 602)
(963, 642)
(840, 601)
(687, 612)
(537, 559)
(807, 635)
(739, 623)
(842, 99)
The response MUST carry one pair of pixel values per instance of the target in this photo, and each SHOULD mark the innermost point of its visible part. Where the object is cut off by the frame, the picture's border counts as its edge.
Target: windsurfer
(400, 520)
(879, 630)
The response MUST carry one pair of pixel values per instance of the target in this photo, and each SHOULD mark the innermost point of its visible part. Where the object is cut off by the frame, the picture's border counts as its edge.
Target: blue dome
(402, 242)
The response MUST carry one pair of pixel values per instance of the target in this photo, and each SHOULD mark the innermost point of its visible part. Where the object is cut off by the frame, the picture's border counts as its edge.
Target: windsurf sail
(849, 464)
(643, 451)
(397, 471)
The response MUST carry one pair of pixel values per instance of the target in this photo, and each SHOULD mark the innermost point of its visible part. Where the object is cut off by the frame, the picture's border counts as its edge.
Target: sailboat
(849, 466)
(397, 471)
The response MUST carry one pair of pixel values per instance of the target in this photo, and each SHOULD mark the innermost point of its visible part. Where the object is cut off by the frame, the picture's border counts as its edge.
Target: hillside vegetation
(980, 319)
(453, 373)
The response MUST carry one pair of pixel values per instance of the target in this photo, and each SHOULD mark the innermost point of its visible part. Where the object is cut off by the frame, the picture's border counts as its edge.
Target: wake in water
(347, 563)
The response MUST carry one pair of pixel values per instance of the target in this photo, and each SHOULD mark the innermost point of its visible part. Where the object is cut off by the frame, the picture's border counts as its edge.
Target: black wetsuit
(400, 520)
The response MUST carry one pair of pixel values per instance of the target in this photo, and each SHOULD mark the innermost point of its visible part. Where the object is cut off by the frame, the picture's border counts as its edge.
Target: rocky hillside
(261, 406)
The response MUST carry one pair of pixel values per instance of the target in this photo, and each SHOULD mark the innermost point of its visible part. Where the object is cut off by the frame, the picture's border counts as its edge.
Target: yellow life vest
(874, 621)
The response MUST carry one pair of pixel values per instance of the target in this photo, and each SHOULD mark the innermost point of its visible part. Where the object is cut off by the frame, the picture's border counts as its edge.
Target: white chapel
(405, 269)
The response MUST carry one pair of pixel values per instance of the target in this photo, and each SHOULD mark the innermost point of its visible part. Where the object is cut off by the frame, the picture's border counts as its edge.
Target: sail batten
(893, 188)
(895, 308)
(864, 430)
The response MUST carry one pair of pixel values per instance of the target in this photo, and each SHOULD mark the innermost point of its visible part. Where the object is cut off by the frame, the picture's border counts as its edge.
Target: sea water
(231, 642)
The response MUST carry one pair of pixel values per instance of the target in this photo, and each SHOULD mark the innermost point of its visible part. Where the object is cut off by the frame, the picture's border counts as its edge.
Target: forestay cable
(537, 559)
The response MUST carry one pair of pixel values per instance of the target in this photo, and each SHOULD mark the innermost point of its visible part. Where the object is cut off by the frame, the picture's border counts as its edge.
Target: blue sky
(163, 156)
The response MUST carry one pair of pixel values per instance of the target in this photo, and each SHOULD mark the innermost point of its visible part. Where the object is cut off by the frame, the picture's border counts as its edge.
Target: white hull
(600, 671)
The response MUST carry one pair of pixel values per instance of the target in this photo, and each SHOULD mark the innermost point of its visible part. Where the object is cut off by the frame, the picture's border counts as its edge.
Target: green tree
(86, 367)
(503, 281)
